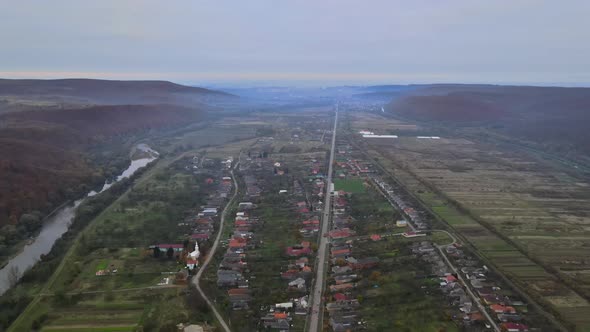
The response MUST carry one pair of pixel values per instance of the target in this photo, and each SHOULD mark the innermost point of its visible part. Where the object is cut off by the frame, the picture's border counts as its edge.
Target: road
(316, 304)
(474, 298)
(196, 280)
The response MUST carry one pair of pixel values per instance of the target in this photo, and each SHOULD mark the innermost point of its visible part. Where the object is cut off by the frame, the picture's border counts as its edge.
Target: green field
(350, 185)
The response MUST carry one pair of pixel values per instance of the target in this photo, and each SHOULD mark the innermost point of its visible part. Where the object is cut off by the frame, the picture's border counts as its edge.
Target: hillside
(44, 152)
(549, 116)
(48, 127)
(18, 95)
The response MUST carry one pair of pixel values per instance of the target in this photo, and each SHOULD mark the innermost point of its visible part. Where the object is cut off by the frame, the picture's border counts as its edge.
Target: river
(57, 224)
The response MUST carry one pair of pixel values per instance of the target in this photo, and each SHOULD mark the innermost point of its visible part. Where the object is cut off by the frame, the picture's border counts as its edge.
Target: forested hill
(29, 94)
(48, 127)
(553, 117)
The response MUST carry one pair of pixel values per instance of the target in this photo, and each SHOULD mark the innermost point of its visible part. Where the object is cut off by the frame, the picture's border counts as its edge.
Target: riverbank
(56, 224)
(32, 280)
(118, 238)
(19, 247)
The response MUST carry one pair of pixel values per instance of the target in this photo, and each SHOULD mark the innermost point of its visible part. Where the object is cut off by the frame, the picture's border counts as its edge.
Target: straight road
(316, 304)
(468, 289)
(196, 280)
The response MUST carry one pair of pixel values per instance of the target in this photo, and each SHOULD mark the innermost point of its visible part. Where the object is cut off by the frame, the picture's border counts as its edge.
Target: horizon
(246, 84)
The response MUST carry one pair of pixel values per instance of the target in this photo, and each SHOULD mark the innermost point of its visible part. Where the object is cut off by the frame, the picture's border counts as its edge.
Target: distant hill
(550, 116)
(49, 127)
(16, 95)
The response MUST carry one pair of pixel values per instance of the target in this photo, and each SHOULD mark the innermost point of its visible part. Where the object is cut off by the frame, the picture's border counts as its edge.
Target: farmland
(523, 213)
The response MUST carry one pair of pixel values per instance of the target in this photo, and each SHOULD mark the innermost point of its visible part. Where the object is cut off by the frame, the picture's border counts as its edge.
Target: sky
(301, 42)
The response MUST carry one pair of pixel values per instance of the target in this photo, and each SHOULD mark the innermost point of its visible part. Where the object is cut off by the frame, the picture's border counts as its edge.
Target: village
(265, 267)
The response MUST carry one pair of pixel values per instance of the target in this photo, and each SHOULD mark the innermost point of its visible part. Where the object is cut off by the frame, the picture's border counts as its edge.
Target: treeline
(15, 300)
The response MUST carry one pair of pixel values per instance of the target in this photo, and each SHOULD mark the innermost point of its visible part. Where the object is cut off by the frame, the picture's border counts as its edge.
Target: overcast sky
(321, 41)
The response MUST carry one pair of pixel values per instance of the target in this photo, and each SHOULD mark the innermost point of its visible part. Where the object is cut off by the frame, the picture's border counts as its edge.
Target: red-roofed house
(191, 263)
(500, 309)
(375, 237)
(450, 278)
(298, 251)
(200, 236)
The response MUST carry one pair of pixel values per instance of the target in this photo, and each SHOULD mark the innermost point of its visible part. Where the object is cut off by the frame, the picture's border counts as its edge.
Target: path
(316, 304)
(196, 280)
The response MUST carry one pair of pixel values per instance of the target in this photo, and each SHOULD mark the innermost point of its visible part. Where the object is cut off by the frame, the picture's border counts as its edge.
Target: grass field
(349, 185)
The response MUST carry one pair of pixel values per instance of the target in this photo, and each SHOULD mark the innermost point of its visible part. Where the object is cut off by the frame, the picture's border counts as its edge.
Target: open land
(522, 213)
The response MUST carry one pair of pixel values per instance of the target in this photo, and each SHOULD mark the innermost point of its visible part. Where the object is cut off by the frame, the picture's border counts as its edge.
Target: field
(350, 186)
(522, 212)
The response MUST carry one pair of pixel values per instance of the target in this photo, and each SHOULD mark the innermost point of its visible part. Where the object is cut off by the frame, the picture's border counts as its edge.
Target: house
(341, 269)
(514, 327)
(343, 324)
(345, 278)
(341, 233)
(238, 292)
(492, 299)
(500, 309)
(228, 278)
(341, 287)
(341, 297)
(340, 252)
(245, 205)
(298, 284)
(299, 250)
(509, 318)
(375, 237)
(284, 305)
(346, 305)
(401, 223)
(450, 278)
(200, 236)
(302, 262)
(191, 263)
(209, 212)
(237, 243)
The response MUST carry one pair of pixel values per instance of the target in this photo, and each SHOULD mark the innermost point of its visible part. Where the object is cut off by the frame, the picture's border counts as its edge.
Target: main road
(196, 280)
(317, 312)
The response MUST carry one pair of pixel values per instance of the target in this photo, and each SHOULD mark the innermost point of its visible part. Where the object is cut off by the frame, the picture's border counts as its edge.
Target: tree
(170, 253)
(30, 221)
(375, 276)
